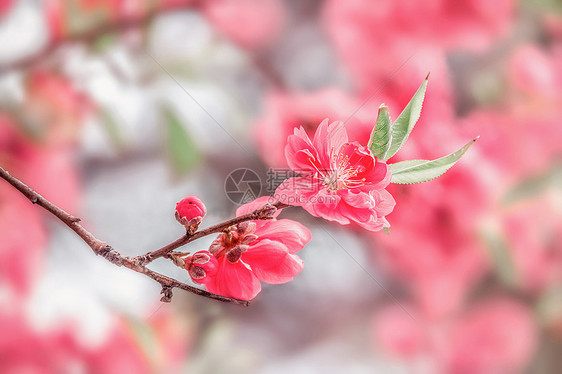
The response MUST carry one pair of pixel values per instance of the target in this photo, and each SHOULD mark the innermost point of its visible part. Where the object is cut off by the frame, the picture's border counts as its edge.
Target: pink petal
(234, 280)
(256, 204)
(384, 202)
(324, 204)
(300, 152)
(328, 139)
(272, 263)
(290, 233)
(295, 191)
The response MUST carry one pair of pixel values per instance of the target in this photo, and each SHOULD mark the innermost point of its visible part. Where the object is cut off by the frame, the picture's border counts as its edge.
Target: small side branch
(264, 213)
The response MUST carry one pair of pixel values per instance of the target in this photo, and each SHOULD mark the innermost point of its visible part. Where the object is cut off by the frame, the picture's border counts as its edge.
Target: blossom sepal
(201, 266)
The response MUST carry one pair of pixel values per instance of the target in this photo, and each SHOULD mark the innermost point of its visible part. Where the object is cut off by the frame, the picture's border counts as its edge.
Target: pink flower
(255, 251)
(190, 212)
(342, 181)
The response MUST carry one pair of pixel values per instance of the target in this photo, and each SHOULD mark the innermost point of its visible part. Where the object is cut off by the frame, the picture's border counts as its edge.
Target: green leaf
(534, 185)
(103, 42)
(549, 305)
(416, 171)
(182, 151)
(501, 259)
(112, 128)
(386, 230)
(404, 124)
(381, 136)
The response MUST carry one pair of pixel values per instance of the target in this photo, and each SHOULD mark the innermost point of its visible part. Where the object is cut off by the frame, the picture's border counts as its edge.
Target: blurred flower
(255, 251)
(494, 336)
(533, 234)
(534, 72)
(397, 333)
(516, 144)
(465, 24)
(343, 181)
(54, 108)
(5, 7)
(23, 240)
(252, 24)
(51, 171)
(22, 349)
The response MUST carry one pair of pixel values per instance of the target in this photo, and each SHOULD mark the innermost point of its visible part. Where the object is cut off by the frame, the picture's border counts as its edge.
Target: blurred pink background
(116, 110)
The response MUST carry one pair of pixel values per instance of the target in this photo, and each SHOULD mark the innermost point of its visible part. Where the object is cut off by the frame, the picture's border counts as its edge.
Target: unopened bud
(190, 212)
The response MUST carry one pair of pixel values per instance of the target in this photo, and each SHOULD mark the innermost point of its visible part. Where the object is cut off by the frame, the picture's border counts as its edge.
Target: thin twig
(101, 248)
(259, 214)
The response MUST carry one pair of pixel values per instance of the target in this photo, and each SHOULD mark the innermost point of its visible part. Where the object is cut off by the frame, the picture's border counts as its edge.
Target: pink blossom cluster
(250, 252)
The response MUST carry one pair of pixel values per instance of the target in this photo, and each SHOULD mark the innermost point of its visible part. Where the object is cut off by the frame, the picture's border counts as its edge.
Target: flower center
(235, 241)
(343, 175)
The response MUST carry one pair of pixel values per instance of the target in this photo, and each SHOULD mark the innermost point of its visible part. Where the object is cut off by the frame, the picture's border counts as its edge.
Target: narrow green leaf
(549, 305)
(404, 124)
(416, 171)
(534, 185)
(182, 151)
(381, 136)
(112, 128)
(501, 259)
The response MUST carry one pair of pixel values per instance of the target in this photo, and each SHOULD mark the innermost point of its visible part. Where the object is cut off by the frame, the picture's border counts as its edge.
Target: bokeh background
(115, 110)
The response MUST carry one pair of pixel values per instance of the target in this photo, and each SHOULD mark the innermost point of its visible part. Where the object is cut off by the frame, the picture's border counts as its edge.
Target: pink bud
(201, 266)
(190, 212)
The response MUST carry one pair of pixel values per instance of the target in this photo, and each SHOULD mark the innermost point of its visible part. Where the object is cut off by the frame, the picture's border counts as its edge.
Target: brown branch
(101, 248)
(259, 214)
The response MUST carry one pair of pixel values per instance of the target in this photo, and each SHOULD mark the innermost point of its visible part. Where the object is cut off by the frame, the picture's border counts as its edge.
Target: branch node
(142, 260)
(111, 255)
(267, 212)
(166, 294)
